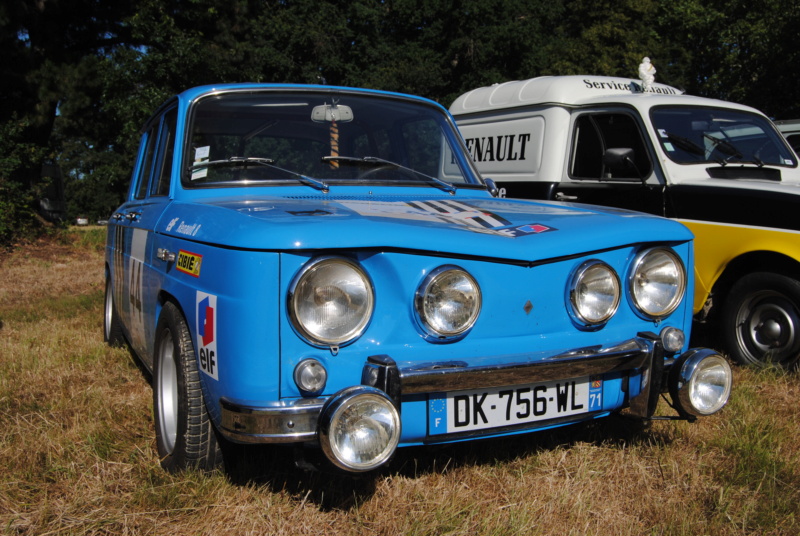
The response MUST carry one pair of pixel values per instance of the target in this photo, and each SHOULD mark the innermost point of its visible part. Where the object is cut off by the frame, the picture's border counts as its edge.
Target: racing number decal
(118, 260)
(135, 287)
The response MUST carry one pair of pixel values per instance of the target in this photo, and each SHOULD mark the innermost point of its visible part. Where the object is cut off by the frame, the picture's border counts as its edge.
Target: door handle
(165, 255)
(561, 196)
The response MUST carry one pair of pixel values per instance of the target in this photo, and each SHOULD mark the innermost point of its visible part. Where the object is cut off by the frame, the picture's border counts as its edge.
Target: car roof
(577, 90)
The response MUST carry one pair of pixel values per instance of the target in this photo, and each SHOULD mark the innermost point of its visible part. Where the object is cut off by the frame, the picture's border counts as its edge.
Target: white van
(720, 168)
(790, 128)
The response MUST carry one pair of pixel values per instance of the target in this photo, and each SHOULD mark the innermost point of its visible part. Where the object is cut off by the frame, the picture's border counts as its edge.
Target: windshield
(320, 139)
(693, 134)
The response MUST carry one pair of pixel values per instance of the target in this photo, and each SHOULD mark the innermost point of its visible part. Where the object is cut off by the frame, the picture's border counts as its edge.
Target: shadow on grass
(275, 467)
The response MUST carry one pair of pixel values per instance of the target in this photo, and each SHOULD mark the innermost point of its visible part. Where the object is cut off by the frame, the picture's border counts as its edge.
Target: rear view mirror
(331, 112)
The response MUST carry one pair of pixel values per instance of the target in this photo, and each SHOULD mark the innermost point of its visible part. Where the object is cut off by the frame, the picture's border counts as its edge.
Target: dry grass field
(77, 450)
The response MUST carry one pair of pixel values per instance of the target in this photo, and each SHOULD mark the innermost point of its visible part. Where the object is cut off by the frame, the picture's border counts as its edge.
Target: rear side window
(594, 134)
(157, 149)
(143, 177)
(167, 150)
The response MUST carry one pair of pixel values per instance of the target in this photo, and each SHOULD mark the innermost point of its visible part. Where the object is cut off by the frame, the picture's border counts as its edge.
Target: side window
(143, 178)
(794, 141)
(167, 149)
(596, 133)
(587, 150)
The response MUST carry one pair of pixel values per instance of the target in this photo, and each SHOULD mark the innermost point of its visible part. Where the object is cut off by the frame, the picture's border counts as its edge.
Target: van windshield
(320, 139)
(693, 134)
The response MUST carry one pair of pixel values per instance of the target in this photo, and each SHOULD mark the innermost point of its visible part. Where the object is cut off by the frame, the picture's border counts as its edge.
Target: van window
(595, 133)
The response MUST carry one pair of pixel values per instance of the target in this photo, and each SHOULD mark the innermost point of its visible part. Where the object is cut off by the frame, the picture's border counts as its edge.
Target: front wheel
(184, 432)
(761, 320)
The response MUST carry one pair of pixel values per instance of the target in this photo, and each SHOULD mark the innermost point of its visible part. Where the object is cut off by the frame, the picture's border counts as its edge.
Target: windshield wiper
(726, 147)
(375, 161)
(687, 145)
(242, 161)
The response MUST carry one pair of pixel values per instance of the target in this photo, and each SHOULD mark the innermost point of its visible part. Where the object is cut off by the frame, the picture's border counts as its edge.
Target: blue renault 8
(324, 267)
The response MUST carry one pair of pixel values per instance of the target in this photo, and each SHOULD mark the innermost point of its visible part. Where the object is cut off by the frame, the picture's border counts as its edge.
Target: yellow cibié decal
(189, 263)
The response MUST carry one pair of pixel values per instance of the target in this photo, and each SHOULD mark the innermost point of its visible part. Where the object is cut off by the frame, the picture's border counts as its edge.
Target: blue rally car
(324, 267)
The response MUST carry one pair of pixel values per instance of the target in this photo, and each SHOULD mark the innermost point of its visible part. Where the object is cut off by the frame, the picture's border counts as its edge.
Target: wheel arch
(162, 298)
(748, 263)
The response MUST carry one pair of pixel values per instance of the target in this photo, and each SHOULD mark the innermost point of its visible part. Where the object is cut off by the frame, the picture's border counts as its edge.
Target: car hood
(458, 225)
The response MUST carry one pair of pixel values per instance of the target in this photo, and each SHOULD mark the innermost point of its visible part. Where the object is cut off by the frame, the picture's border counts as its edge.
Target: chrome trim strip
(292, 421)
(527, 368)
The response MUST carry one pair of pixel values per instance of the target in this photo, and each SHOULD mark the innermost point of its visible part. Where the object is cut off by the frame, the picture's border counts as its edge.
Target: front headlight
(657, 282)
(594, 293)
(331, 301)
(448, 303)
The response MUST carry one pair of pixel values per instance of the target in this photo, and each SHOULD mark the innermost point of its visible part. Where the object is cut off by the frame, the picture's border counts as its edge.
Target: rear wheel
(112, 329)
(761, 320)
(184, 432)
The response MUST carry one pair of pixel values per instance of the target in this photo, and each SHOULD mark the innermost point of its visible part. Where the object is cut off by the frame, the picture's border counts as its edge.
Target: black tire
(112, 328)
(761, 320)
(185, 435)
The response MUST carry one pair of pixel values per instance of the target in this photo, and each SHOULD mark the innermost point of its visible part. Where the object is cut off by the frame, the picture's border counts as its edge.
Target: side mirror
(492, 187)
(618, 157)
(621, 158)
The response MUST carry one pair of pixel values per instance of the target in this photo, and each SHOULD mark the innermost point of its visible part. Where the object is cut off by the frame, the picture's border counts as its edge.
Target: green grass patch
(64, 307)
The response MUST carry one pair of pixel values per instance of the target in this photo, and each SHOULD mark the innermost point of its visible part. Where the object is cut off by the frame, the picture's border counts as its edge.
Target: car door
(134, 278)
(611, 163)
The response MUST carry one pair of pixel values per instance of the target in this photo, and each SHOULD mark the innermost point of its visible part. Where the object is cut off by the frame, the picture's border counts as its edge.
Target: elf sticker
(207, 333)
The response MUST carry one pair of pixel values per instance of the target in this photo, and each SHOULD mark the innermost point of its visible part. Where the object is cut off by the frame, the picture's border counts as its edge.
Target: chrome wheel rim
(109, 311)
(167, 389)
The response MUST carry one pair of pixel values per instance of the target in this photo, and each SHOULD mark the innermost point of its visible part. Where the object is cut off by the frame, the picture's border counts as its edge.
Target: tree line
(79, 77)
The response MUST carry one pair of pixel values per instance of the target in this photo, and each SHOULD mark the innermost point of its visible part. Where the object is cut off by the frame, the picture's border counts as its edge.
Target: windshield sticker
(445, 211)
(201, 155)
(207, 333)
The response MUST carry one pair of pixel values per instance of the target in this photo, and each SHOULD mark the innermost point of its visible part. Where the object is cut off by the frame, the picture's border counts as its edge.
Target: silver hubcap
(109, 310)
(167, 389)
(767, 326)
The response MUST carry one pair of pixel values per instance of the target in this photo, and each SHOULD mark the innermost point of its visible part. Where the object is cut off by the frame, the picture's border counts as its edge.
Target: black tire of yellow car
(761, 320)
(112, 329)
(185, 435)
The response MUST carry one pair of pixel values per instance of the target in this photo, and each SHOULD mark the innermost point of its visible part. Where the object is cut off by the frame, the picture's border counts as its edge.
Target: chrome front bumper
(296, 420)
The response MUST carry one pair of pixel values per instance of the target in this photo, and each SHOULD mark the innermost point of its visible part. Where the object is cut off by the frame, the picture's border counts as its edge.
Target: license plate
(482, 409)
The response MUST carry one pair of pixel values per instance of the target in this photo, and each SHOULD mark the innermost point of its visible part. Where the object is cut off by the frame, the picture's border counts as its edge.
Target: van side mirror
(620, 159)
